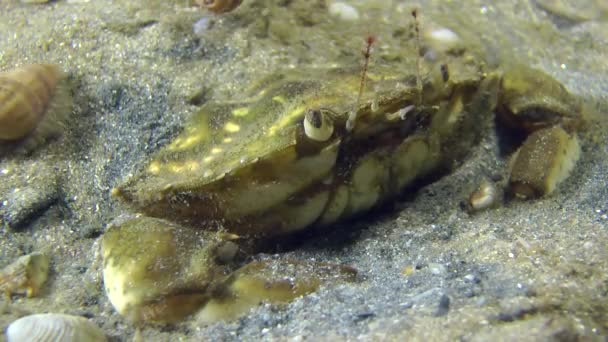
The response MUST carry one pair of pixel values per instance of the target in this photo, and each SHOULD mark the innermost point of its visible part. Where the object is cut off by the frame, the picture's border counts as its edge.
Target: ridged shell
(219, 6)
(25, 95)
(54, 327)
(25, 275)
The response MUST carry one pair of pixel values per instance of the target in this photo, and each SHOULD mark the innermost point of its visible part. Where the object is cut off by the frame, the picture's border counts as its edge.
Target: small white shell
(54, 327)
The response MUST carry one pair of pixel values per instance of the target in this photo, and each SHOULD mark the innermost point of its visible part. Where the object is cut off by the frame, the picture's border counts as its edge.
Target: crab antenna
(417, 24)
(366, 54)
(350, 123)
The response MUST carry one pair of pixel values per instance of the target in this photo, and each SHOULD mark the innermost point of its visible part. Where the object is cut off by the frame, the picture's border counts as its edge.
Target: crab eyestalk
(318, 126)
(156, 271)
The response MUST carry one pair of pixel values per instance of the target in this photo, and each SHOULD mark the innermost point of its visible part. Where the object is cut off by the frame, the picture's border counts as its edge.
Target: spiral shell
(219, 6)
(26, 275)
(25, 97)
(54, 327)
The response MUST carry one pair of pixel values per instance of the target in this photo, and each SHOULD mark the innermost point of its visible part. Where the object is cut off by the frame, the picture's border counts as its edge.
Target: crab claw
(540, 106)
(157, 271)
(532, 100)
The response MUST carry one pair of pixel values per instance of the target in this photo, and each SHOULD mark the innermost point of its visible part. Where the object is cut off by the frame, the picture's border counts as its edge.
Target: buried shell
(25, 275)
(219, 6)
(54, 327)
(29, 102)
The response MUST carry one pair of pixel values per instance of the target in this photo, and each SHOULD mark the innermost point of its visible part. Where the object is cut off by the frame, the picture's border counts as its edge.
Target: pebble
(23, 205)
(444, 35)
(444, 306)
(472, 278)
(201, 26)
(437, 269)
(441, 40)
(343, 11)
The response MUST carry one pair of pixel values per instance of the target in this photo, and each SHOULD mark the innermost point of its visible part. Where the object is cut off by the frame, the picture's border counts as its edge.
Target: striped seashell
(219, 6)
(25, 97)
(26, 275)
(54, 327)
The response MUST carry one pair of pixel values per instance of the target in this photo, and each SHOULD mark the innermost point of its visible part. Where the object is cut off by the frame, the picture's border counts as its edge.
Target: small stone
(472, 278)
(23, 205)
(201, 26)
(343, 11)
(443, 36)
(363, 316)
(444, 306)
(437, 269)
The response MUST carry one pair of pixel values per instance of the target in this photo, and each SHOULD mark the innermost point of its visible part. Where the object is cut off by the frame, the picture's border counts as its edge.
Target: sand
(535, 270)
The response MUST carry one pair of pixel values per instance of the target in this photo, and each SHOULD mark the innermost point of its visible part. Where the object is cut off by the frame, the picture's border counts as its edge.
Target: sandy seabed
(525, 271)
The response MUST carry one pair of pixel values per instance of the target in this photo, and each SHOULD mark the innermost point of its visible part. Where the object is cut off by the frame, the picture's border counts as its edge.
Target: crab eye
(318, 126)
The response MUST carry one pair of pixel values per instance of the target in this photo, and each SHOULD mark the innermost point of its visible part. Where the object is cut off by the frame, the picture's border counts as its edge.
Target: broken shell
(54, 327)
(219, 6)
(26, 275)
(29, 102)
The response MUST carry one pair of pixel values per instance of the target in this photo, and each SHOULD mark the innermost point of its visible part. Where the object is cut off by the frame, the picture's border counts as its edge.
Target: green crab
(309, 149)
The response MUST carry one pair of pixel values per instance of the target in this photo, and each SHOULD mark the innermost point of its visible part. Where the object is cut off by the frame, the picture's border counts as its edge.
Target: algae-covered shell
(219, 6)
(54, 327)
(25, 275)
